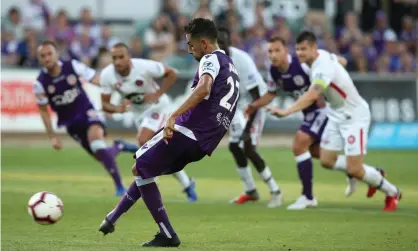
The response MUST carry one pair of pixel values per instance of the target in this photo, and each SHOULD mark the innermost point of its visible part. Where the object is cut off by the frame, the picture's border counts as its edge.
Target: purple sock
(127, 201)
(114, 150)
(152, 199)
(305, 175)
(107, 159)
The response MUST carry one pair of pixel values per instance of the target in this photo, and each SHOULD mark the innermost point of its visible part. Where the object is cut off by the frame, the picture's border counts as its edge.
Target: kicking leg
(303, 157)
(244, 171)
(127, 201)
(106, 155)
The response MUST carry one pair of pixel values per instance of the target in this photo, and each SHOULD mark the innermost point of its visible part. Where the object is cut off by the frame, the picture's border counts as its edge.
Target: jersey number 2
(225, 100)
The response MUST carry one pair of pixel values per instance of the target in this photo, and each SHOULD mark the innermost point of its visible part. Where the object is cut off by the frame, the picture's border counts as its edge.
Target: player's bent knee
(142, 182)
(96, 145)
(301, 143)
(327, 162)
(95, 132)
(249, 149)
(234, 147)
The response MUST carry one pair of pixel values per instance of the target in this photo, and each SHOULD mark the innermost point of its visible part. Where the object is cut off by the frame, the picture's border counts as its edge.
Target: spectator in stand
(61, 29)
(393, 48)
(8, 49)
(382, 32)
(330, 44)
(407, 63)
(36, 15)
(350, 33)
(203, 12)
(84, 47)
(356, 61)
(13, 24)
(232, 21)
(279, 23)
(64, 50)
(26, 50)
(159, 38)
(383, 64)
(88, 25)
(171, 9)
(369, 50)
(137, 50)
(222, 17)
(182, 47)
(409, 34)
(107, 40)
(256, 46)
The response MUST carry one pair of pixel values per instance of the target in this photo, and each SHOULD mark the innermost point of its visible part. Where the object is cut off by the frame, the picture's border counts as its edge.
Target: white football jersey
(248, 75)
(139, 82)
(344, 100)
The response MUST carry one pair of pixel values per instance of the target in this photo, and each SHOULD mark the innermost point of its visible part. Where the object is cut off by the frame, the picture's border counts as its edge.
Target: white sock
(372, 176)
(247, 178)
(341, 164)
(388, 188)
(183, 178)
(269, 180)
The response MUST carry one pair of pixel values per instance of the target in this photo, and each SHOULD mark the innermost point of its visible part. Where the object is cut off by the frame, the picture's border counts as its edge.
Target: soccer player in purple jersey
(191, 132)
(58, 85)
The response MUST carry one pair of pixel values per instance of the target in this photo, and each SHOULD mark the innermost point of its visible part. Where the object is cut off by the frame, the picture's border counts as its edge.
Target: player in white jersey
(349, 118)
(134, 80)
(245, 132)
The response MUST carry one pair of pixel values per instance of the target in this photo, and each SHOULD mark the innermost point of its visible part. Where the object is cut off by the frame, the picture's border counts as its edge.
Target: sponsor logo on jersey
(72, 79)
(299, 81)
(51, 89)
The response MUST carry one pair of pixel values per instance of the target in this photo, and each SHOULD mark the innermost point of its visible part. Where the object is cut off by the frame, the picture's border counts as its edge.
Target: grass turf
(339, 223)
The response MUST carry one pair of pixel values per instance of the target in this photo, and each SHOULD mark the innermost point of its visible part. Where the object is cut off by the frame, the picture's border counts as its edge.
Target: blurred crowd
(380, 49)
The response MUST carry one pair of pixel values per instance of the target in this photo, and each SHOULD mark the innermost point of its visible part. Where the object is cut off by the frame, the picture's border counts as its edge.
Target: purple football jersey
(65, 93)
(210, 119)
(295, 81)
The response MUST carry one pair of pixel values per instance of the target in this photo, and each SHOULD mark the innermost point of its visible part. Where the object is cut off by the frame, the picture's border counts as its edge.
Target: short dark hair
(224, 29)
(306, 36)
(49, 42)
(273, 39)
(202, 27)
(121, 45)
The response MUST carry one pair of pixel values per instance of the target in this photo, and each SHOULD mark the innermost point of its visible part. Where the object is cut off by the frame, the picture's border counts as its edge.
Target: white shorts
(350, 137)
(153, 118)
(238, 125)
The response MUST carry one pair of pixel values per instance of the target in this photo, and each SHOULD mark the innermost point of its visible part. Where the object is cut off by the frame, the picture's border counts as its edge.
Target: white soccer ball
(45, 208)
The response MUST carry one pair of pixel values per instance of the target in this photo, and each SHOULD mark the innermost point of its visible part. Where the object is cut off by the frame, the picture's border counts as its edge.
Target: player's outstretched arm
(111, 108)
(255, 94)
(307, 99)
(46, 119)
(169, 78)
(260, 102)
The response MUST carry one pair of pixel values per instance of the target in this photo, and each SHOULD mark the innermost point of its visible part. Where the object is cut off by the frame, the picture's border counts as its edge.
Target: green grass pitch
(338, 223)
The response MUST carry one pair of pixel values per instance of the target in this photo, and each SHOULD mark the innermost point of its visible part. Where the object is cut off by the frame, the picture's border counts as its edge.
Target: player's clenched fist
(169, 128)
(56, 143)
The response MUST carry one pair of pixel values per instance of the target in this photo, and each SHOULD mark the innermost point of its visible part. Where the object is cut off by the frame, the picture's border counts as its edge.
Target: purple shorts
(79, 129)
(157, 158)
(314, 123)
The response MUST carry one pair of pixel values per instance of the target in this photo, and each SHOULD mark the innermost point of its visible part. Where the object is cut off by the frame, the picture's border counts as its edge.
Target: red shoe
(372, 190)
(245, 197)
(391, 202)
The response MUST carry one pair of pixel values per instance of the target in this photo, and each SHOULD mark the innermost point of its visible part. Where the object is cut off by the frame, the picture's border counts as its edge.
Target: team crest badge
(72, 79)
(139, 83)
(155, 115)
(118, 85)
(310, 116)
(280, 83)
(51, 89)
(298, 79)
(351, 139)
